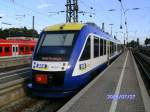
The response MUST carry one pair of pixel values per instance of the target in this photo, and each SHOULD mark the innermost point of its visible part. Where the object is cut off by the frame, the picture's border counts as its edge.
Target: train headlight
(69, 66)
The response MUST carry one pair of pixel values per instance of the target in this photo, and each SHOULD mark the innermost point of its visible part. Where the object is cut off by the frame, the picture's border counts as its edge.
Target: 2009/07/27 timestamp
(121, 97)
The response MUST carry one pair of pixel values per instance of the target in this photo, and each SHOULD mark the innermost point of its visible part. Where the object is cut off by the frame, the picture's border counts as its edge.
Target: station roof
(63, 27)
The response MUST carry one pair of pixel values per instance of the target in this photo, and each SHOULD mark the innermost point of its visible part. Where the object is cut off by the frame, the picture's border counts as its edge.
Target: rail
(14, 61)
(144, 62)
(13, 77)
(12, 85)
(14, 95)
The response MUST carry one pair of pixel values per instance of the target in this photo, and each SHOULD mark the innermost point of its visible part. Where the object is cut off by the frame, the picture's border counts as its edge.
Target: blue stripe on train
(73, 85)
(85, 31)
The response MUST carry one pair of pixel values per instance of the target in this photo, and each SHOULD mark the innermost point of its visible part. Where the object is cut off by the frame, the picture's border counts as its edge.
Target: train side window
(87, 51)
(118, 48)
(0, 49)
(27, 48)
(21, 49)
(115, 47)
(13, 49)
(7, 49)
(112, 48)
(101, 47)
(96, 47)
(104, 47)
(16, 49)
(108, 48)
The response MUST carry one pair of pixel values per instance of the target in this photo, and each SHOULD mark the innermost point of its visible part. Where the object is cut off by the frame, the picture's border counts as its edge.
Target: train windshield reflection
(58, 39)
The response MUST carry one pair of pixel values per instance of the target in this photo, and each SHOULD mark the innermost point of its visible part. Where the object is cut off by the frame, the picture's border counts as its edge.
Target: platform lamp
(125, 16)
(126, 22)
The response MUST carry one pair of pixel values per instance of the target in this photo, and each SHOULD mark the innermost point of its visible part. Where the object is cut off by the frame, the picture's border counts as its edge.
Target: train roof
(78, 26)
(17, 41)
(64, 27)
(104, 34)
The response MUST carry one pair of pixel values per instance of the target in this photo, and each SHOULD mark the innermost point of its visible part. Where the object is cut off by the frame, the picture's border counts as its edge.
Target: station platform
(119, 88)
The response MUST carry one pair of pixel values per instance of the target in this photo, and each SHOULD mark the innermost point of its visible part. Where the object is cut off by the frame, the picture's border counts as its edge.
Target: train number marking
(82, 66)
(40, 66)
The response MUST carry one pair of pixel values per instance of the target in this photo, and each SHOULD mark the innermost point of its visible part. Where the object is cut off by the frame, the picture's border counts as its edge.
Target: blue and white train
(66, 55)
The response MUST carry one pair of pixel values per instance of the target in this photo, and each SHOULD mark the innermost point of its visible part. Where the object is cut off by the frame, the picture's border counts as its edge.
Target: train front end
(52, 61)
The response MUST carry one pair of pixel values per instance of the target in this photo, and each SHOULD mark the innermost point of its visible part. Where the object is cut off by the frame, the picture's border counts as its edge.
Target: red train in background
(16, 47)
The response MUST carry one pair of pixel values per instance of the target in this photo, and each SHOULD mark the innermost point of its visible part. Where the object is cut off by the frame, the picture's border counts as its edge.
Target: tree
(132, 44)
(17, 32)
(147, 41)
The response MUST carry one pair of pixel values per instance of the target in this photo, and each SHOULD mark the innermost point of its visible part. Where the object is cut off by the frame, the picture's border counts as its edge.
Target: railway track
(14, 97)
(13, 75)
(145, 51)
(14, 61)
(143, 62)
(14, 58)
(12, 85)
(28, 104)
(11, 68)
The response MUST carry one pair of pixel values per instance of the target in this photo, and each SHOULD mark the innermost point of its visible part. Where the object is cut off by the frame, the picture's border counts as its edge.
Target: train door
(14, 50)
(1, 50)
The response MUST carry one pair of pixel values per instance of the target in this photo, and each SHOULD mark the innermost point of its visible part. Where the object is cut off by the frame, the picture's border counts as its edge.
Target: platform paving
(116, 89)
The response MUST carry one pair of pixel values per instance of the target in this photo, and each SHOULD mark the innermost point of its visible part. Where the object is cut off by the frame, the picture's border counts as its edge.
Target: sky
(19, 13)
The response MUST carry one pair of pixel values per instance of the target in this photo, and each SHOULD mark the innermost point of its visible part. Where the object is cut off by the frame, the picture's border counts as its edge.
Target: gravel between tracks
(28, 104)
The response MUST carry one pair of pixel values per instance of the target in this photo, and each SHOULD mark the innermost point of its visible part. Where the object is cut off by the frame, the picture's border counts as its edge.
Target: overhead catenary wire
(41, 15)
(30, 9)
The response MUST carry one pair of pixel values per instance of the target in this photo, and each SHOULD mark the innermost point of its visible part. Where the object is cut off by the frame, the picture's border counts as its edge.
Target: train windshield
(65, 39)
(56, 46)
